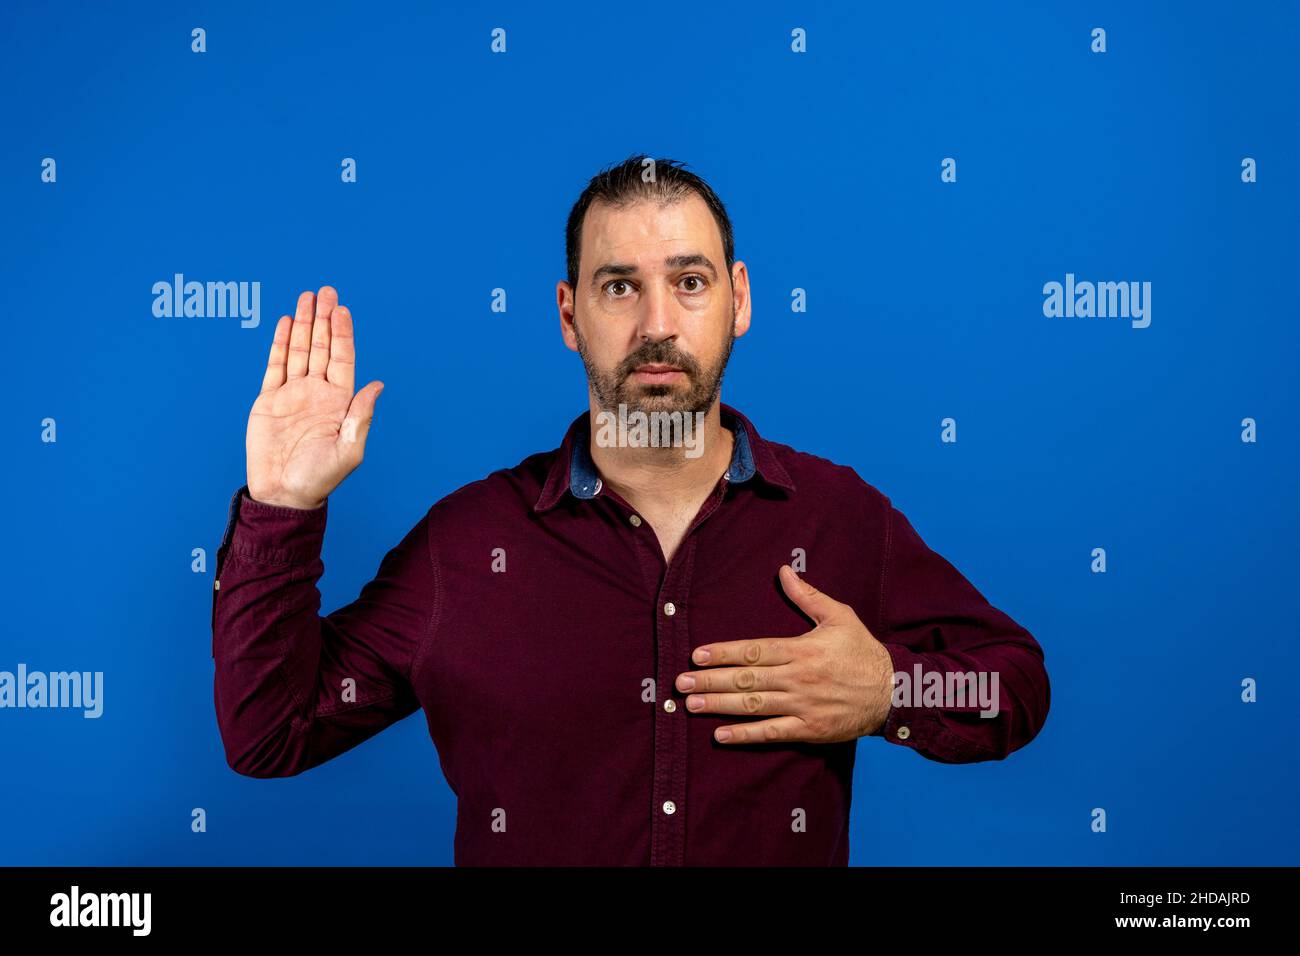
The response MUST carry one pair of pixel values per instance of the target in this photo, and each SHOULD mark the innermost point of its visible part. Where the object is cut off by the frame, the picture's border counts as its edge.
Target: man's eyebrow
(671, 262)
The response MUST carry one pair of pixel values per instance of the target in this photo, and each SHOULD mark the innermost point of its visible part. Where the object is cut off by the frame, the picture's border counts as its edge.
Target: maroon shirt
(525, 613)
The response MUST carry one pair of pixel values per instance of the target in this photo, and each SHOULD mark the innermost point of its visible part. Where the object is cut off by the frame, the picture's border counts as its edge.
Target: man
(616, 658)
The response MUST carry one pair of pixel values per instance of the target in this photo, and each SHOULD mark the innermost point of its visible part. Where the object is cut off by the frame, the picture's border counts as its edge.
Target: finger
(822, 608)
(734, 679)
(300, 336)
(757, 651)
(753, 702)
(764, 731)
(274, 376)
(356, 426)
(343, 356)
(326, 300)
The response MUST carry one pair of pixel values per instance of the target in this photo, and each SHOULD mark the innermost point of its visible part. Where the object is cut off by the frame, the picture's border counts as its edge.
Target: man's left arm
(939, 628)
(948, 674)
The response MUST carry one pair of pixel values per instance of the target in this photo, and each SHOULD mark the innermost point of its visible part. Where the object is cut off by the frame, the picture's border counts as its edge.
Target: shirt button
(670, 705)
(635, 521)
(670, 807)
(903, 733)
(670, 608)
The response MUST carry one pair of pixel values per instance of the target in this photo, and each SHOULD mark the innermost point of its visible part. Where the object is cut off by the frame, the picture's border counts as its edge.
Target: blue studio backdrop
(922, 172)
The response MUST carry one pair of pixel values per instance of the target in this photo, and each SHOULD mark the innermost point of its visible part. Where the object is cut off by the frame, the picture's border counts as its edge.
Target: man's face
(654, 315)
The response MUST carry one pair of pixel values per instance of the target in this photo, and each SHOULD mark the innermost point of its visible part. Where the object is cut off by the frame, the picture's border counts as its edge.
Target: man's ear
(740, 298)
(564, 301)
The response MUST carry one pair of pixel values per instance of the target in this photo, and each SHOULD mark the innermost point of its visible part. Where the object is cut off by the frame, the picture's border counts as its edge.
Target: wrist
(294, 504)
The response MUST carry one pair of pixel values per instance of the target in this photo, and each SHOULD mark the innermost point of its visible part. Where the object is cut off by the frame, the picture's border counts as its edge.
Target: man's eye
(696, 279)
(616, 282)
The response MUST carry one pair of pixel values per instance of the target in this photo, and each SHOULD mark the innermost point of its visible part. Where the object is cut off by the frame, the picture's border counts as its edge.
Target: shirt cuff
(921, 727)
(273, 534)
(911, 726)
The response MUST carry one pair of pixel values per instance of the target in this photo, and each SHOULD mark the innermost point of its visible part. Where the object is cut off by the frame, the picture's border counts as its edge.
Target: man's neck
(665, 477)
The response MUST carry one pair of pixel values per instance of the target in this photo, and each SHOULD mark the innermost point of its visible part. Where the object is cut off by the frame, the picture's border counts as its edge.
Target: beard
(616, 387)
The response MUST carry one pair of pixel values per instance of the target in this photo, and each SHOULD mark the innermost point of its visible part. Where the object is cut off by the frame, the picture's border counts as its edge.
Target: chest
(574, 622)
(568, 640)
(669, 527)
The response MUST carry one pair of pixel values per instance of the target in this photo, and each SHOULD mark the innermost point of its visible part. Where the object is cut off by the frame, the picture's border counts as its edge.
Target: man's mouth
(657, 373)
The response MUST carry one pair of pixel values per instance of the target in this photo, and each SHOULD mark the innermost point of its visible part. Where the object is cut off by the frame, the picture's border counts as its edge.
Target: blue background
(925, 301)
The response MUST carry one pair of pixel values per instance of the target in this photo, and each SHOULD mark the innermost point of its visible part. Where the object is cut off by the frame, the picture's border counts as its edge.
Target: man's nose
(658, 318)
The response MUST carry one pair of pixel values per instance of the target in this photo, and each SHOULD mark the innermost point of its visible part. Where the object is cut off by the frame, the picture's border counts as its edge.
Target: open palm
(307, 431)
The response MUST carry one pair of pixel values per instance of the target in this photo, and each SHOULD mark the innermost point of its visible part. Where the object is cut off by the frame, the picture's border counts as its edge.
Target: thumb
(356, 426)
(822, 608)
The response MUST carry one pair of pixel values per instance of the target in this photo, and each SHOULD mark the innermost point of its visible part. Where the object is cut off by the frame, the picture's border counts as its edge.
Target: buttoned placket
(668, 804)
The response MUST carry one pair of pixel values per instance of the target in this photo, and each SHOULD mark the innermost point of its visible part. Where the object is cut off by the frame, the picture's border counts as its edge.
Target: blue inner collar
(585, 483)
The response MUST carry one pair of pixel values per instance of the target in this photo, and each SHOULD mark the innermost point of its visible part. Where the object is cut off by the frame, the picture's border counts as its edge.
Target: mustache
(658, 353)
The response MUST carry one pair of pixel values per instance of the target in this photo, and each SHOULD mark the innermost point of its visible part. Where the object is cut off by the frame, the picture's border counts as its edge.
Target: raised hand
(307, 431)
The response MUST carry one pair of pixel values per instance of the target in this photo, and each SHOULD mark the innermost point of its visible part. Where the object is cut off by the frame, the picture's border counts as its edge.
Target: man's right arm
(292, 688)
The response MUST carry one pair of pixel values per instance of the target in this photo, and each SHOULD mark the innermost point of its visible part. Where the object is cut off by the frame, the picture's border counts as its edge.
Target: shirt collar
(575, 472)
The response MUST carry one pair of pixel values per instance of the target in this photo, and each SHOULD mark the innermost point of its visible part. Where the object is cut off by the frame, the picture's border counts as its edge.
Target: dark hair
(623, 184)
